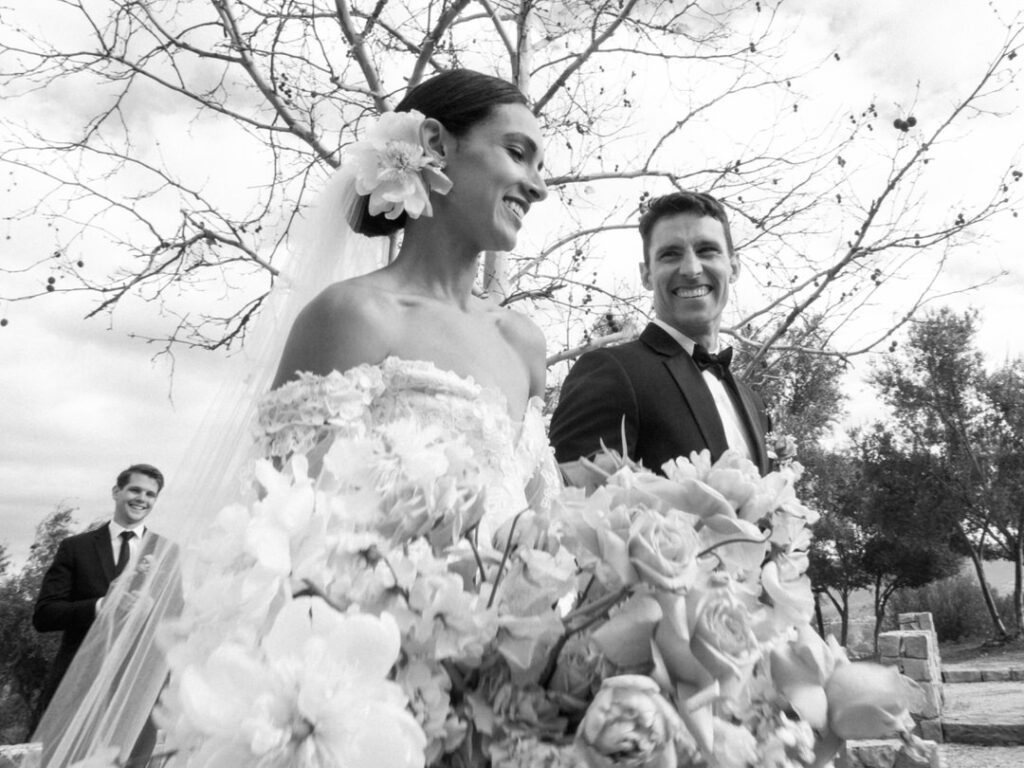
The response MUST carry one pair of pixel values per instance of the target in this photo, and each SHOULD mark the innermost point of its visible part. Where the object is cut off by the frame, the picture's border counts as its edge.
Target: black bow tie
(718, 364)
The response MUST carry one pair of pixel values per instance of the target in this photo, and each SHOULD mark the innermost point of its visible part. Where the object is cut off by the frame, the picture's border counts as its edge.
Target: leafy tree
(1003, 393)
(292, 84)
(950, 409)
(836, 557)
(26, 655)
(909, 520)
(802, 385)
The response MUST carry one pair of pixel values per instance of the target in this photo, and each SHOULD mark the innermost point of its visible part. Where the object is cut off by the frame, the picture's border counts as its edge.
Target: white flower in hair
(394, 169)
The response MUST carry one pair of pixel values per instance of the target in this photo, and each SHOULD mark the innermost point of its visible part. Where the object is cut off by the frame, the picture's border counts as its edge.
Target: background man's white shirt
(732, 422)
(134, 543)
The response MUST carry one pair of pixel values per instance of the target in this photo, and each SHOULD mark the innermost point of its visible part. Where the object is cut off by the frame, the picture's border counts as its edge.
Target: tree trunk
(844, 623)
(818, 615)
(986, 591)
(1018, 577)
(879, 613)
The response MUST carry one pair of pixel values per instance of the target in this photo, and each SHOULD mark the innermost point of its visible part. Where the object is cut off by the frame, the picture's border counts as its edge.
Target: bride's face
(495, 171)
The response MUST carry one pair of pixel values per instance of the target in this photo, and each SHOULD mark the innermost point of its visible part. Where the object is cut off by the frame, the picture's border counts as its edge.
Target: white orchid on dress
(394, 169)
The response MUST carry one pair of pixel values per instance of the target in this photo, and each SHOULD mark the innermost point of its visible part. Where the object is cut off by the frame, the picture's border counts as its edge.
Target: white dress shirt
(732, 421)
(134, 544)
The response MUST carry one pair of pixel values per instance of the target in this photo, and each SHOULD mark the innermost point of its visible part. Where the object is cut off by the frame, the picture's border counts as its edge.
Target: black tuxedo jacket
(80, 574)
(651, 389)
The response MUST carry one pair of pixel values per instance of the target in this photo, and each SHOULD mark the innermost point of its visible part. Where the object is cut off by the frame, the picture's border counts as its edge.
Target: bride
(454, 170)
(447, 357)
(445, 354)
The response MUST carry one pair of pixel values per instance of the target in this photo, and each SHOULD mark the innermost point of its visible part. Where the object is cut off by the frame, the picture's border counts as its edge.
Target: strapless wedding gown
(306, 414)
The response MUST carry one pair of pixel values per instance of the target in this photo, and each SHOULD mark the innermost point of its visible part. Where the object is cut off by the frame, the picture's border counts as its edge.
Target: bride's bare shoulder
(526, 337)
(346, 325)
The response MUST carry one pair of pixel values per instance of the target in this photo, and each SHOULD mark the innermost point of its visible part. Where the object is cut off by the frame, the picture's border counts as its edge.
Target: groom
(73, 588)
(668, 392)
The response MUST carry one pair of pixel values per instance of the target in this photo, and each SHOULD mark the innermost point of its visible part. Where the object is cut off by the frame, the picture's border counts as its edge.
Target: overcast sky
(79, 400)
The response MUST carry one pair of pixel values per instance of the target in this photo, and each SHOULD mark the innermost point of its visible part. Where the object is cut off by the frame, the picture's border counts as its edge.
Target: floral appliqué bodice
(306, 414)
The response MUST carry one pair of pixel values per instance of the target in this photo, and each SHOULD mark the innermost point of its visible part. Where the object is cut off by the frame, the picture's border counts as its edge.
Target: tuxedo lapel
(751, 418)
(104, 551)
(697, 395)
(691, 386)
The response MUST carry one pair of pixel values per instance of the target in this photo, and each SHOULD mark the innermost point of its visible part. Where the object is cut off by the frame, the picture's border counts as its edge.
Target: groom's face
(688, 268)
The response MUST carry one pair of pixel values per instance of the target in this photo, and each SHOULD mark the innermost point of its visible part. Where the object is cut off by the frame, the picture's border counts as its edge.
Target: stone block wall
(914, 649)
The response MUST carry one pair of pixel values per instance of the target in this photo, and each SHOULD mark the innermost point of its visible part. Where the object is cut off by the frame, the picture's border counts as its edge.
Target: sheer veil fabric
(110, 690)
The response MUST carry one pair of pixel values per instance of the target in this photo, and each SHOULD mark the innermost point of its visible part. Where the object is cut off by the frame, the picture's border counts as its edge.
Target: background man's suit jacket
(656, 387)
(80, 574)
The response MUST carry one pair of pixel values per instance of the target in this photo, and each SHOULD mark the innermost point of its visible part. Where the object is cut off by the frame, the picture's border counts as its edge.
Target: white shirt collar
(684, 341)
(116, 529)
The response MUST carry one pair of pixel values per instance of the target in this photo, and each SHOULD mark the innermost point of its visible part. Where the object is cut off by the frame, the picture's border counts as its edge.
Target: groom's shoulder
(622, 351)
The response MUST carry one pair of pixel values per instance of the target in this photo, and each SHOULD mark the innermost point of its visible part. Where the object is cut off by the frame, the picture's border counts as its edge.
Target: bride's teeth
(517, 209)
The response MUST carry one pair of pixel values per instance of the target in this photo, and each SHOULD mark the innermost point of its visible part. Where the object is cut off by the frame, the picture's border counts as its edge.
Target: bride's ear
(435, 138)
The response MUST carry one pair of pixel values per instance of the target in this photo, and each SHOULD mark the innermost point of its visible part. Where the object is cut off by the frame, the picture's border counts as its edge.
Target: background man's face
(134, 502)
(689, 268)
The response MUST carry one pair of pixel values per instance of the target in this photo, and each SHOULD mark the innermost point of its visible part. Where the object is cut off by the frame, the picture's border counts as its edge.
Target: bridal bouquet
(354, 617)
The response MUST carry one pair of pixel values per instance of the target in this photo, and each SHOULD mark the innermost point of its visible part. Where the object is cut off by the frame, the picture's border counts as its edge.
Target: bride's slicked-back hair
(458, 99)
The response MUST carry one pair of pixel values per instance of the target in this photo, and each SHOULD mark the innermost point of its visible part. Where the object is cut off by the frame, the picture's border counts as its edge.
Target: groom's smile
(689, 267)
(692, 293)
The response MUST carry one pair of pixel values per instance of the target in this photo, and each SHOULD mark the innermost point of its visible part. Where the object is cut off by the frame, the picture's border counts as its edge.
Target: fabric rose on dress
(393, 168)
(314, 693)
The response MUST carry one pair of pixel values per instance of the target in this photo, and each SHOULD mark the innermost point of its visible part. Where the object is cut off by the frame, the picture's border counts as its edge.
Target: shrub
(956, 605)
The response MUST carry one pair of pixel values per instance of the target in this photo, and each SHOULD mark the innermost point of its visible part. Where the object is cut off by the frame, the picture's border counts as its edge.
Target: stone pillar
(915, 650)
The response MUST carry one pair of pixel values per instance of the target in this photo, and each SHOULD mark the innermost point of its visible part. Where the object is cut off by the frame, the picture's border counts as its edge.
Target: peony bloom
(629, 723)
(393, 168)
(314, 694)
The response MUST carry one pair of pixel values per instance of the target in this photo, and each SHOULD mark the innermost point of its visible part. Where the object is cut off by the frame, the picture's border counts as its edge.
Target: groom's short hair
(699, 203)
(141, 469)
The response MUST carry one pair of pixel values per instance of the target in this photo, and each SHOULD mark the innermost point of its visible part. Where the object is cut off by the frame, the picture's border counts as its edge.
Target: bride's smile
(495, 170)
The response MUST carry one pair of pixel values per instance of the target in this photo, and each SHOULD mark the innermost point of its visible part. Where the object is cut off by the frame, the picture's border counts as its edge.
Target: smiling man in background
(85, 565)
(670, 392)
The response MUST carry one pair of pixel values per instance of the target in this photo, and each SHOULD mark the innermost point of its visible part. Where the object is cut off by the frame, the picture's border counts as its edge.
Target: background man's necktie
(124, 554)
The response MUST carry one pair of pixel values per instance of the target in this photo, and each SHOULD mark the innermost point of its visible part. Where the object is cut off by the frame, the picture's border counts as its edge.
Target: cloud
(80, 404)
